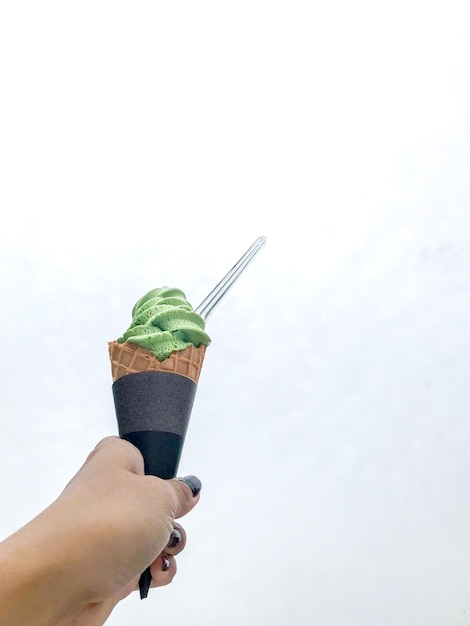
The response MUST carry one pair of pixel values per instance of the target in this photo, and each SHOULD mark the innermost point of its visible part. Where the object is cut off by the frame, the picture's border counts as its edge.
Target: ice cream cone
(129, 358)
(153, 401)
(155, 383)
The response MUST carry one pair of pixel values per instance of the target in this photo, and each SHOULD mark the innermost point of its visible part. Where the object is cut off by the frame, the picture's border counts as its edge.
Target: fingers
(177, 540)
(116, 452)
(172, 498)
(186, 492)
(163, 570)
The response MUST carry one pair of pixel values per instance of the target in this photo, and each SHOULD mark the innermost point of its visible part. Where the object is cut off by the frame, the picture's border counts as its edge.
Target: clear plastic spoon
(221, 289)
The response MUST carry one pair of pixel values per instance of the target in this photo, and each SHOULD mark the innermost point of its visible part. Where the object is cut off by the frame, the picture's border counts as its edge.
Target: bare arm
(75, 561)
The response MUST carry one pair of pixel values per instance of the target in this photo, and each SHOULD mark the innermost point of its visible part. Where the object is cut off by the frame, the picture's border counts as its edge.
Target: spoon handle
(221, 289)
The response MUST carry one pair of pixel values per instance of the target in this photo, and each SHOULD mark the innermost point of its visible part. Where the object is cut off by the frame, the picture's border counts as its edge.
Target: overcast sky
(148, 144)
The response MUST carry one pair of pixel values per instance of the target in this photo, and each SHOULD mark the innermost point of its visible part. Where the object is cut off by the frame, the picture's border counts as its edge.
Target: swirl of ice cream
(163, 322)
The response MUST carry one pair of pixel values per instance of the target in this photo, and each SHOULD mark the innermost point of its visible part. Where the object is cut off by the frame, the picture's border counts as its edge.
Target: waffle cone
(129, 358)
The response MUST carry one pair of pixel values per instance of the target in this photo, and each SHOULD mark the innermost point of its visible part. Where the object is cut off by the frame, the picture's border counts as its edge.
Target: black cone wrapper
(153, 411)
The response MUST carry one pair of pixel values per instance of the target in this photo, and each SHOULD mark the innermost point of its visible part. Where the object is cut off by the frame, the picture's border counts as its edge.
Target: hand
(73, 563)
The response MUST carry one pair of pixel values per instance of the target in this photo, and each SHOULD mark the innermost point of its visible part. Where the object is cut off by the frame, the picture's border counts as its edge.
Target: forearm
(37, 572)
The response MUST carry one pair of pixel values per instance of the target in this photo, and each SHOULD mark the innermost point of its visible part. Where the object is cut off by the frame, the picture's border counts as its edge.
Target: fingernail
(175, 538)
(166, 564)
(193, 483)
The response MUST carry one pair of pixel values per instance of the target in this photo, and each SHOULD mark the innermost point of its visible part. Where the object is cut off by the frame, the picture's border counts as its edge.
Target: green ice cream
(163, 322)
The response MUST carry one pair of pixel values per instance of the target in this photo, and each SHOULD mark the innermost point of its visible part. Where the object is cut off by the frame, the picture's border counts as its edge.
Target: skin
(77, 559)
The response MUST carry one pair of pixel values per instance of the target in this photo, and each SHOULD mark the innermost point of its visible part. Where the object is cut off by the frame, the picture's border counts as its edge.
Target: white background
(147, 144)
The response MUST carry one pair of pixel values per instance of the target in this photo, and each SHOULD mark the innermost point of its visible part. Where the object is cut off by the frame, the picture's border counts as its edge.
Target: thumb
(186, 491)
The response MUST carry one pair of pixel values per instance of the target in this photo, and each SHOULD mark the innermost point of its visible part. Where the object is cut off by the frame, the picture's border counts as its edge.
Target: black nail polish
(166, 564)
(175, 538)
(193, 483)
